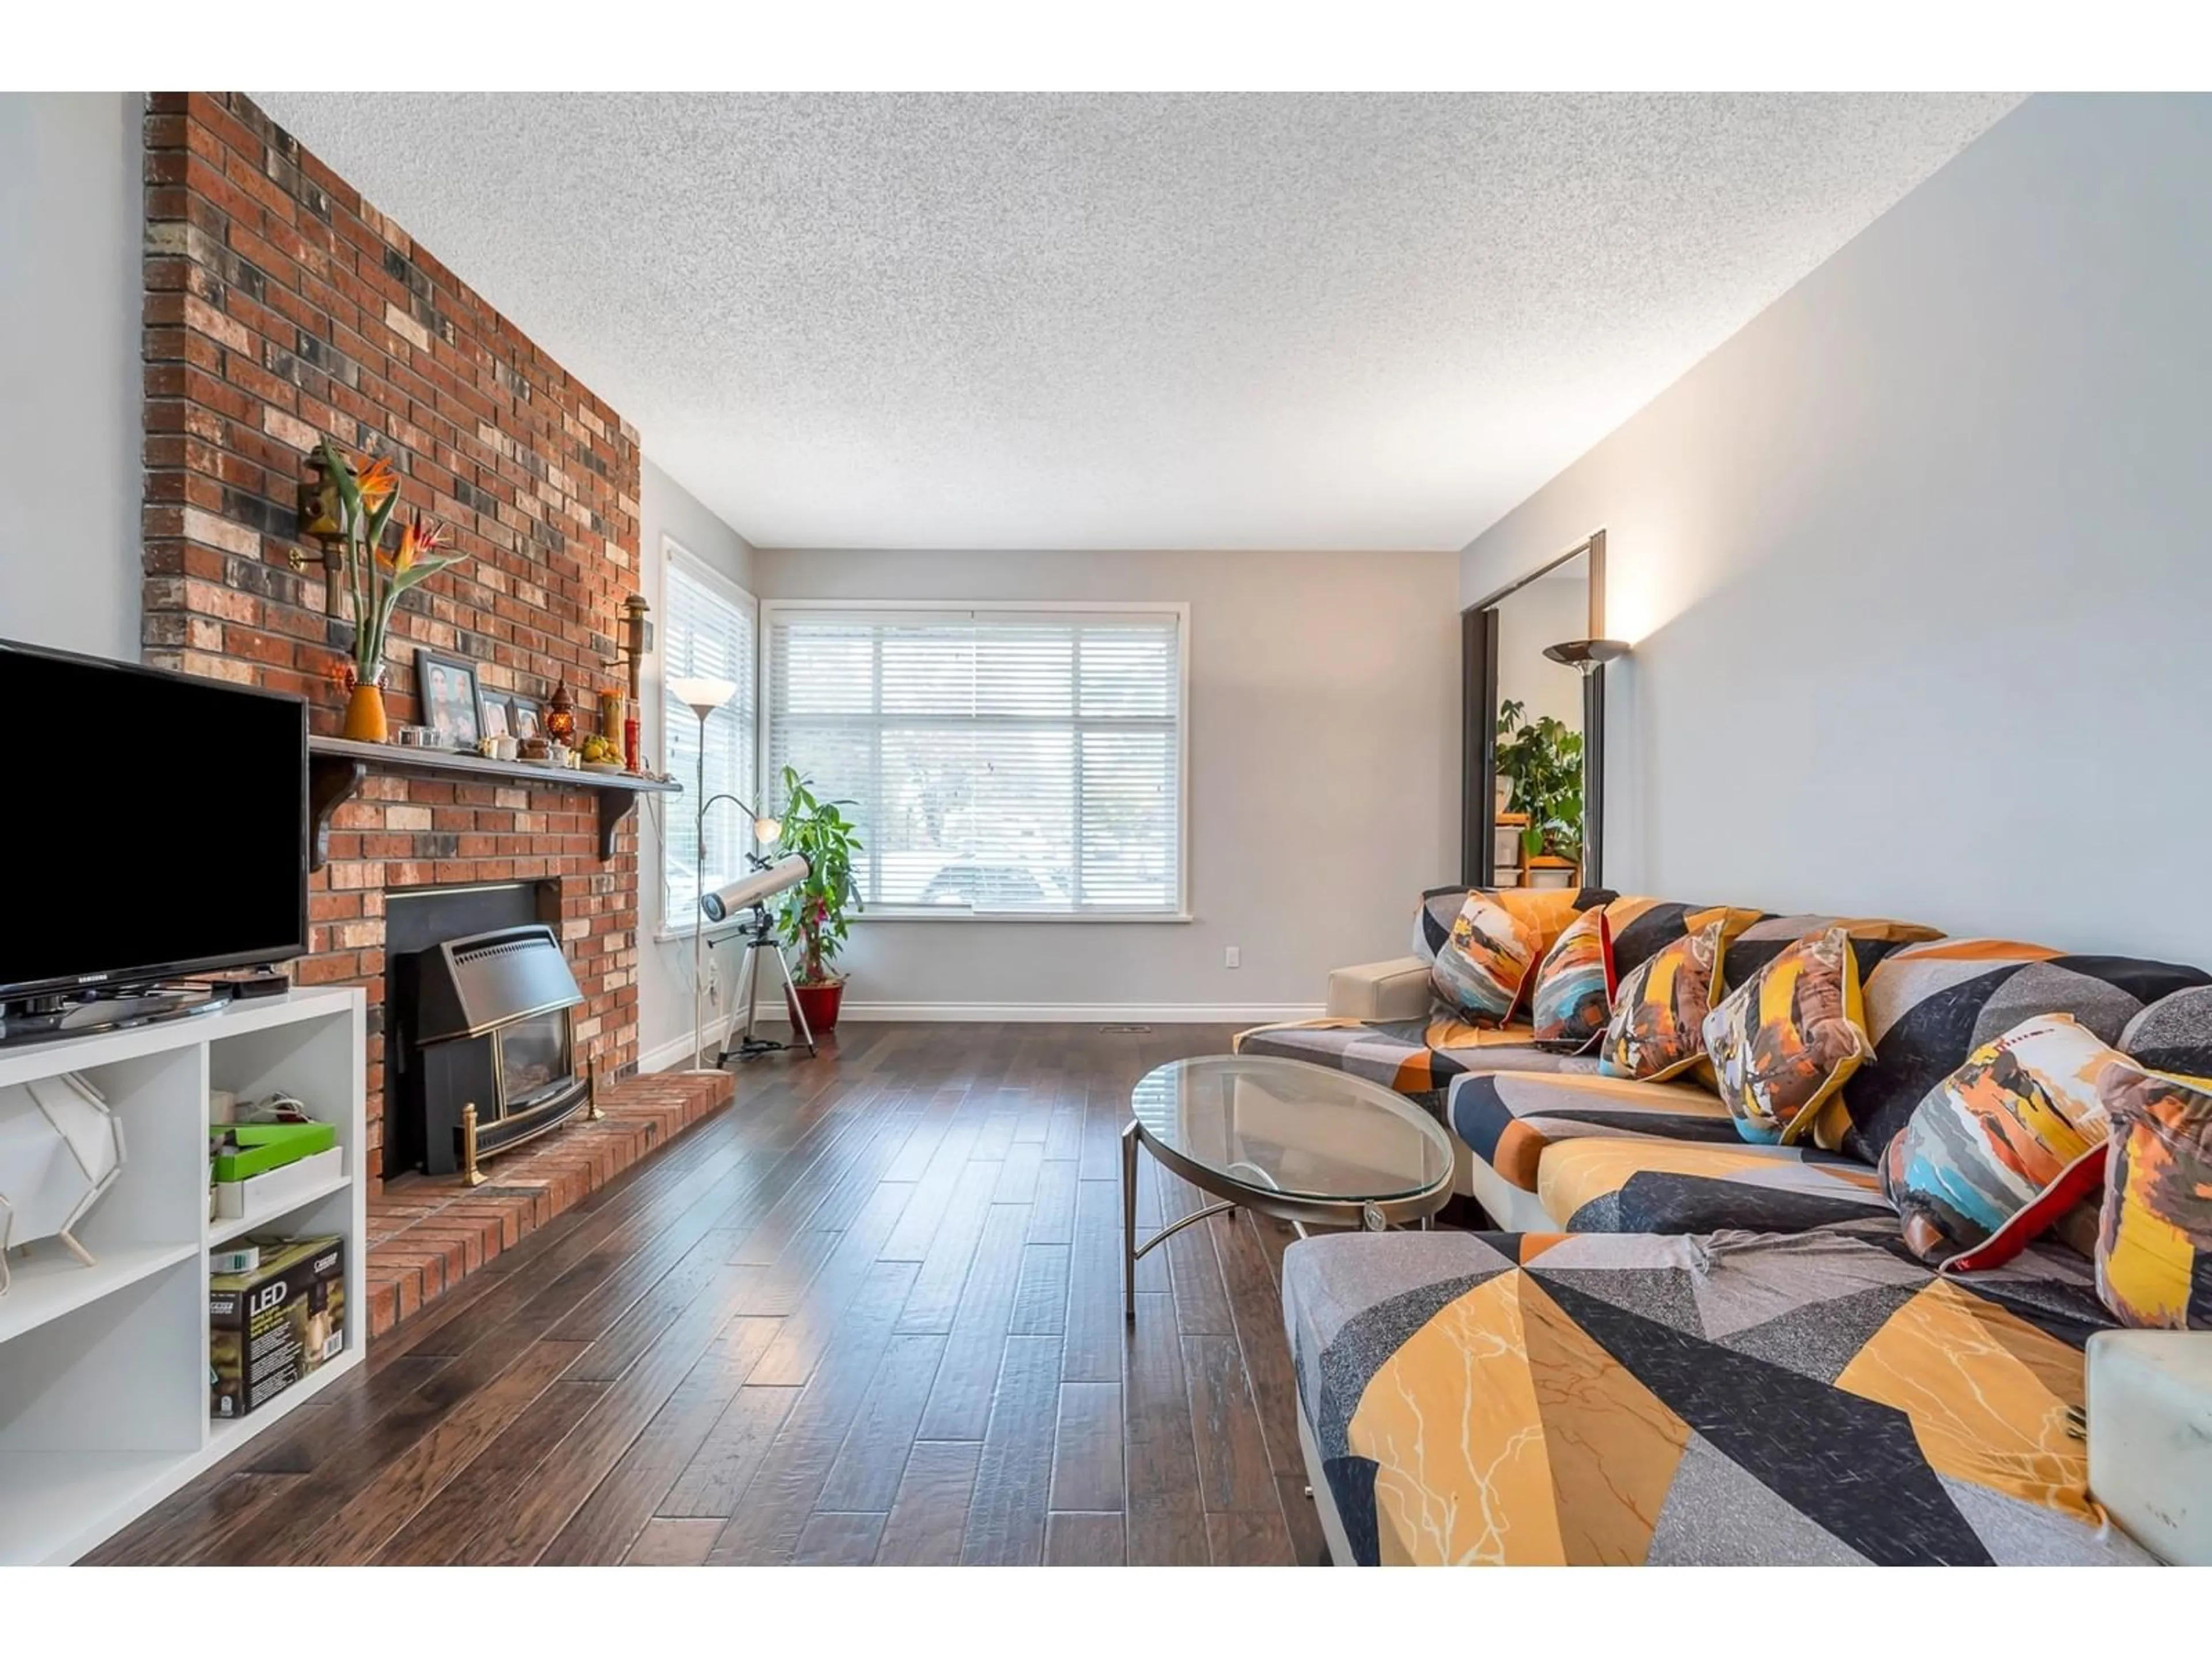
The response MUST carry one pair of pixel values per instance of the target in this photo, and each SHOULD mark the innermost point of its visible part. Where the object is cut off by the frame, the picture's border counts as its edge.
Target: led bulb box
(276, 1324)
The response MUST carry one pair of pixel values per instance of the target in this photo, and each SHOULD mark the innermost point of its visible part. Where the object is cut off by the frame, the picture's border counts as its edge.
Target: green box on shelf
(266, 1146)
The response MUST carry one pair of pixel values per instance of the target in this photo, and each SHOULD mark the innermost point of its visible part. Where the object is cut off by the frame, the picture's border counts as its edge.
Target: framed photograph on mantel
(526, 717)
(453, 705)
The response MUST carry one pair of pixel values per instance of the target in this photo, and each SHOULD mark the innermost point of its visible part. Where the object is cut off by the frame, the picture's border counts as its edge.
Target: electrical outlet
(713, 981)
(1233, 957)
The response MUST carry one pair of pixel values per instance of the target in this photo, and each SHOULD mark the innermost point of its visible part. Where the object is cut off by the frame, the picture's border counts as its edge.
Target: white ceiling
(1128, 321)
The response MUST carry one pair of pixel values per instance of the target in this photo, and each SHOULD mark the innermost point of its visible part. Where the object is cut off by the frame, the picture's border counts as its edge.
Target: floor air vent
(1125, 1031)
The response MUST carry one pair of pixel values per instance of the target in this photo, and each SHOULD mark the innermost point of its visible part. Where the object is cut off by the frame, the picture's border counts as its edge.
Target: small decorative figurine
(561, 716)
(61, 1149)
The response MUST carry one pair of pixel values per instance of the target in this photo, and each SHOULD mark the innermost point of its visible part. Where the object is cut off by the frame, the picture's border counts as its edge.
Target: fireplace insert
(486, 1046)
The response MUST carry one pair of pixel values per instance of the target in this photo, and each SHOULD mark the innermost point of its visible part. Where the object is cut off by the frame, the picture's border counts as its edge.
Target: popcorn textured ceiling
(1129, 321)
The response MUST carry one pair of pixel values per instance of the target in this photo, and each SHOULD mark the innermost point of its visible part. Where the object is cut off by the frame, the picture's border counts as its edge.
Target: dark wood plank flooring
(869, 1314)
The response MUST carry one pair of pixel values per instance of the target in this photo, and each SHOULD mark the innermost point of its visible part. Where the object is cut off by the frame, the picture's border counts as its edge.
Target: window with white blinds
(999, 760)
(707, 626)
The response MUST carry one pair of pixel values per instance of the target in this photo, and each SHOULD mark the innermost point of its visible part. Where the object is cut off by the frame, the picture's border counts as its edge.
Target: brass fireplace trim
(494, 1027)
(471, 1175)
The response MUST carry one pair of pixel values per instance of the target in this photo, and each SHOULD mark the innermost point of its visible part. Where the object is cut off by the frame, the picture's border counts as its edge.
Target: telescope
(755, 887)
(751, 891)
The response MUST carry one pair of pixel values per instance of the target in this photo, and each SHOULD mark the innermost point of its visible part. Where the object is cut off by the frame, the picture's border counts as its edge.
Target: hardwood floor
(870, 1314)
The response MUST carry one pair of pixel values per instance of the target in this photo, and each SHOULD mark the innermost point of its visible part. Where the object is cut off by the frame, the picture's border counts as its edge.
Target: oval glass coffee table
(1299, 1142)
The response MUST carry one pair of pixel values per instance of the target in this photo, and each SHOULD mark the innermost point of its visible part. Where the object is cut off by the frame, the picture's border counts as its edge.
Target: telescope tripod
(760, 936)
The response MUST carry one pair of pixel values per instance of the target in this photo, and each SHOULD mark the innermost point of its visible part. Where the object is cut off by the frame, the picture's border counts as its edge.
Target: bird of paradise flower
(366, 500)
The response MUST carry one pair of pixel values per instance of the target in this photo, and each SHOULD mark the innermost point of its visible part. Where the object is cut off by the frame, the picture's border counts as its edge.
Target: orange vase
(364, 716)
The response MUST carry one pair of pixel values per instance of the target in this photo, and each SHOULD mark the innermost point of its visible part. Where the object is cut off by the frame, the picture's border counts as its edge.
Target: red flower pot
(819, 1003)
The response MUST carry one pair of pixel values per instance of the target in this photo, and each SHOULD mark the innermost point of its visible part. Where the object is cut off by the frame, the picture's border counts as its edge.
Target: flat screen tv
(152, 824)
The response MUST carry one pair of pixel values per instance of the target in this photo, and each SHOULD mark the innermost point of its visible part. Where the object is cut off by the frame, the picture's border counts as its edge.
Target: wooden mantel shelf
(336, 767)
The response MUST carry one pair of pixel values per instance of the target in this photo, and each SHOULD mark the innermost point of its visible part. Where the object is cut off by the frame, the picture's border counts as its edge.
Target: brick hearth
(426, 1235)
(281, 308)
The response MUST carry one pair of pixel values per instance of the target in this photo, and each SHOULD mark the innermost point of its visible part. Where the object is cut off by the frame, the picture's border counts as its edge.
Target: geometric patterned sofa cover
(1745, 1398)
(1609, 1154)
(1724, 1353)
(1929, 1006)
(1416, 1057)
(1603, 1154)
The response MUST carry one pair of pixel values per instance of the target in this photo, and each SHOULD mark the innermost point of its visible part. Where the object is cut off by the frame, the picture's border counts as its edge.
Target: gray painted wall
(1323, 776)
(664, 968)
(1916, 564)
(70, 215)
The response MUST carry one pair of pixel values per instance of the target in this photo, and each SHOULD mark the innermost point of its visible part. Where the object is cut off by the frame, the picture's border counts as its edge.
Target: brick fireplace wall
(281, 308)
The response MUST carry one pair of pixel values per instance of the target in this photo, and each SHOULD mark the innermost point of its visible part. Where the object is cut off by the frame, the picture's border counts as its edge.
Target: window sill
(1081, 918)
(716, 931)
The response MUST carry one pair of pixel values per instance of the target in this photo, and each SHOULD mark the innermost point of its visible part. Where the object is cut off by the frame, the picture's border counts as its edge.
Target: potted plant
(374, 582)
(811, 915)
(1542, 759)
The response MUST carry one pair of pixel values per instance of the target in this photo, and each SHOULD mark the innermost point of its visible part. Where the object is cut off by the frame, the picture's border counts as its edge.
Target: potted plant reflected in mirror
(1542, 761)
(812, 916)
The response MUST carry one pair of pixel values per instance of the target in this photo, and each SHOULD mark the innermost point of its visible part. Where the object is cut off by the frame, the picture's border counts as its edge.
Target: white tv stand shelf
(104, 1370)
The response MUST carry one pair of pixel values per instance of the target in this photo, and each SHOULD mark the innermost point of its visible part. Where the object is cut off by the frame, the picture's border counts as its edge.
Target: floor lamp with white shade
(703, 694)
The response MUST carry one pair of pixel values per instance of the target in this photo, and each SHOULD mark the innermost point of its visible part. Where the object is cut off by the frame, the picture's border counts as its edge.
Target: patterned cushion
(1574, 985)
(1547, 909)
(1481, 970)
(1872, 938)
(2003, 1147)
(1929, 1006)
(1608, 1186)
(1400, 1054)
(1659, 1014)
(2174, 1034)
(1526, 1399)
(1786, 1039)
(1510, 1119)
(2154, 1235)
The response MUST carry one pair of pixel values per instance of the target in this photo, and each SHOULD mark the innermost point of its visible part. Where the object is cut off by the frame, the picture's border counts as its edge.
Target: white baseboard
(677, 1052)
(1082, 1013)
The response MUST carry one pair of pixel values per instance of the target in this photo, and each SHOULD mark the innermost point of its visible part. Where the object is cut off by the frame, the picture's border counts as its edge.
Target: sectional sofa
(1680, 1347)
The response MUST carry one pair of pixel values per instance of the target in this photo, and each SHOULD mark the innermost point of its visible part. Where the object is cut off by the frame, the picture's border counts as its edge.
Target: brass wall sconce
(636, 643)
(321, 520)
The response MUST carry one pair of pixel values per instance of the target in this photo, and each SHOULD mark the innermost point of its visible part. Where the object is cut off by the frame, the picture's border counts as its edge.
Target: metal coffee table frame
(1371, 1214)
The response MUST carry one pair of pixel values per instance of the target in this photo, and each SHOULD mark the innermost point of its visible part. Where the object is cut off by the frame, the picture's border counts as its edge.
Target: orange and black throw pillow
(1574, 986)
(1783, 1042)
(1481, 969)
(2154, 1235)
(1658, 1028)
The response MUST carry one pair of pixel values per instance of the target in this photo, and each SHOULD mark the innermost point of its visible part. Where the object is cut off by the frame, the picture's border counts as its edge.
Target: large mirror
(1534, 702)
